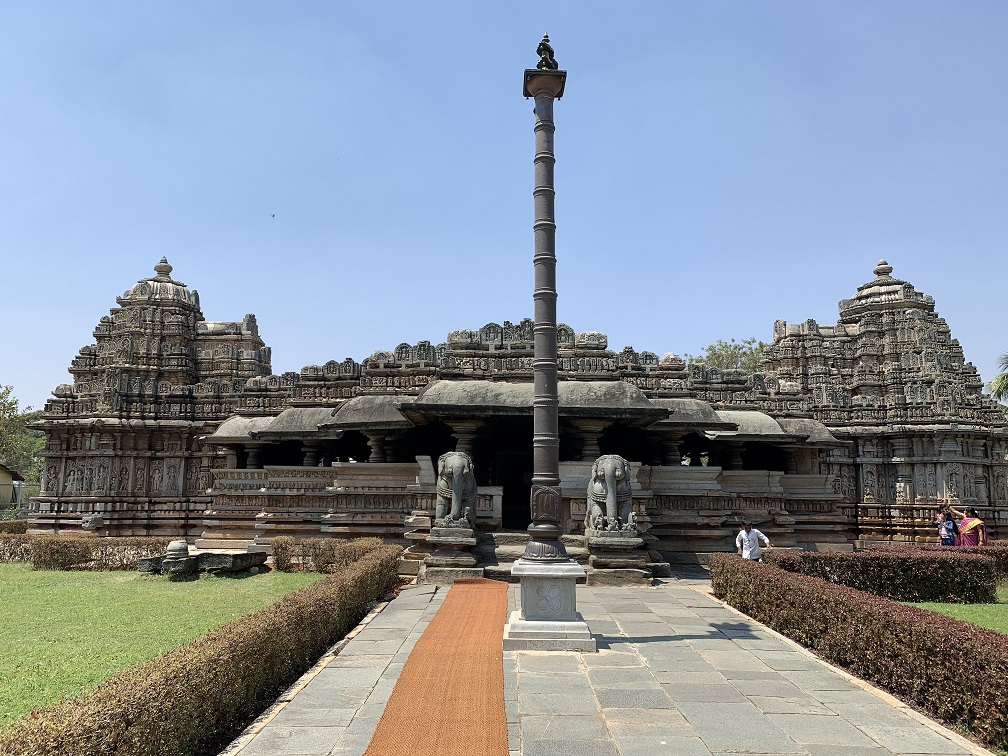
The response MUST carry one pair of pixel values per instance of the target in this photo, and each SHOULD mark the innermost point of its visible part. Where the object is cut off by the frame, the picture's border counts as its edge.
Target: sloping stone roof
(369, 411)
(817, 433)
(298, 421)
(238, 429)
(614, 399)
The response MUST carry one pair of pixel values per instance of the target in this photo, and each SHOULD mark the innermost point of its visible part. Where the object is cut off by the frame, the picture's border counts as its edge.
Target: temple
(175, 425)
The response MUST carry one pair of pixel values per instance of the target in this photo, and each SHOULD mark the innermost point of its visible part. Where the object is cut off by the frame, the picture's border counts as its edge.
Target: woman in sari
(972, 531)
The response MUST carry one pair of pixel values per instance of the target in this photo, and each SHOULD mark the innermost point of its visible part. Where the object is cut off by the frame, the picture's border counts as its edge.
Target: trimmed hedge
(14, 526)
(15, 548)
(952, 670)
(88, 552)
(996, 550)
(319, 554)
(196, 699)
(903, 574)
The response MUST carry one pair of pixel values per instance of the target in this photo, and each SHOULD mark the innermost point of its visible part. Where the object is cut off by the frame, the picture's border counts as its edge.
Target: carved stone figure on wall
(456, 491)
(610, 496)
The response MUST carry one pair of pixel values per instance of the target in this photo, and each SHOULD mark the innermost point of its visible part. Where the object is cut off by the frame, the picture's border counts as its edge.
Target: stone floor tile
(569, 748)
(779, 688)
(555, 703)
(612, 658)
(621, 677)
(548, 661)
(646, 698)
(563, 727)
(313, 716)
(645, 745)
(720, 693)
(543, 682)
(817, 728)
(302, 741)
(800, 704)
(910, 738)
(624, 723)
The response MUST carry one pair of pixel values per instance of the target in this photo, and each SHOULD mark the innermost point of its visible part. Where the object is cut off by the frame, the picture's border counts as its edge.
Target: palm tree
(999, 386)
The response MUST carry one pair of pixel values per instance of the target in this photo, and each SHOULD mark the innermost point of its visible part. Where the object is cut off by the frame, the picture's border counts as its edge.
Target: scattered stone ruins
(176, 426)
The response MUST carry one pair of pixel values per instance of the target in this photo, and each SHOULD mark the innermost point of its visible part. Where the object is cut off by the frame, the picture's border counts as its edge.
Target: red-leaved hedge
(196, 699)
(14, 526)
(996, 550)
(952, 670)
(318, 554)
(904, 574)
(89, 552)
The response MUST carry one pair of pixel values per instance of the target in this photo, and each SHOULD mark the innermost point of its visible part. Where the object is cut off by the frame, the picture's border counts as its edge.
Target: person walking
(747, 541)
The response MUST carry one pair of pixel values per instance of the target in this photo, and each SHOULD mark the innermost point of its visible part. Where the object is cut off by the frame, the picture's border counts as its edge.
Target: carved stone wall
(888, 378)
(123, 439)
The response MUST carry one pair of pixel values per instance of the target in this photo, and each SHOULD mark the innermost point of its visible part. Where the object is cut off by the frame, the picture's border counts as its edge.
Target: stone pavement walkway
(676, 672)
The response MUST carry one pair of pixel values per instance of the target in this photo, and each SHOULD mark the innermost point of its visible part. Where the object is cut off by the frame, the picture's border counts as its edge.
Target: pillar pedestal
(548, 619)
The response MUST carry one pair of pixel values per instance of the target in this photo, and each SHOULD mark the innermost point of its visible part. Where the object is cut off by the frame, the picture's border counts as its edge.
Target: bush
(13, 526)
(88, 552)
(996, 550)
(900, 574)
(15, 548)
(952, 670)
(319, 554)
(195, 699)
(283, 553)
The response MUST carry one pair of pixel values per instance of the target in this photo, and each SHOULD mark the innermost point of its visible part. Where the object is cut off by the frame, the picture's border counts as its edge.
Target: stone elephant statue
(609, 496)
(456, 491)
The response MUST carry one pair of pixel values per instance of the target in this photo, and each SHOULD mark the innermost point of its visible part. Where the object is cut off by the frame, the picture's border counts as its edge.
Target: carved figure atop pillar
(545, 52)
(456, 491)
(610, 508)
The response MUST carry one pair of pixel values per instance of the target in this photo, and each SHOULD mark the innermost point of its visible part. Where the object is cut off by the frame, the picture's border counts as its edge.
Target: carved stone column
(464, 432)
(548, 618)
(310, 450)
(376, 442)
(254, 460)
(591, 429)
(670, 447)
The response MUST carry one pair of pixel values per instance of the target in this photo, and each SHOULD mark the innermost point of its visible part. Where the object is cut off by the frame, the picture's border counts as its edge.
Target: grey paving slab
(677, 672)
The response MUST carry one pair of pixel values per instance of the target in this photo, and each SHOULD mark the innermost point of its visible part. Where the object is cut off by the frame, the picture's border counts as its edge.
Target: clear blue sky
(719, 165)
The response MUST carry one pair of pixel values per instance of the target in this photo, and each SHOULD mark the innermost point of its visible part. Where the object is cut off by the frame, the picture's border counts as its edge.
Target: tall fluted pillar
(545, 85)
(547, 618)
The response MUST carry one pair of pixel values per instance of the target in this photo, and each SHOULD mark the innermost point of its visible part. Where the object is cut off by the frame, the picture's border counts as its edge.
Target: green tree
(999, 386)
(19, 445)
(732, 355)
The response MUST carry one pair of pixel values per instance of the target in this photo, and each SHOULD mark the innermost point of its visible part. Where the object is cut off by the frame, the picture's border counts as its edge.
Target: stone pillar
(254, 460)
(310, 451)
(548, 619)
(672, 456)
(464, 432)
(591, 429)
(376, 442)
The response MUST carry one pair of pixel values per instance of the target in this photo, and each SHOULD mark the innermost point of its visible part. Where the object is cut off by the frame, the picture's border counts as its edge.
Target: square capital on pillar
(544, 80)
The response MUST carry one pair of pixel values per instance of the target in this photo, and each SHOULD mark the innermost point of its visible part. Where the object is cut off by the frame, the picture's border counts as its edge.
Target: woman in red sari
(972, 531)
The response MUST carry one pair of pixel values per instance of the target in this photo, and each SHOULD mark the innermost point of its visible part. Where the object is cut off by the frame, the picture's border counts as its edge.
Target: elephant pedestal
(617, 559)
(450, 558)
(548, 619)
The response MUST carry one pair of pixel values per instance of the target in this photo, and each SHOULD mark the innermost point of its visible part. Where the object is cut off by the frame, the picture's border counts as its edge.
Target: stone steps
(497, 551)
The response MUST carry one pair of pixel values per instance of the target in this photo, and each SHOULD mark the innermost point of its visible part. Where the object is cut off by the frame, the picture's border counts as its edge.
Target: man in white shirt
(747, 541)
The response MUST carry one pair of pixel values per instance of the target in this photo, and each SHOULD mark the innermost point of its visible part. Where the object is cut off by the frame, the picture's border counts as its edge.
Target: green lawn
(63, 632)
(992, 616)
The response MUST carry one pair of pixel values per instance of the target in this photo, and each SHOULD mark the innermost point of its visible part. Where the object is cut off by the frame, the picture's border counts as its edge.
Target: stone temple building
(857, 430)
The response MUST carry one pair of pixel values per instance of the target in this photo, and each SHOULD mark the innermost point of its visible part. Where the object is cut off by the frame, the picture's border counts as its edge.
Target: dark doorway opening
(502, 454)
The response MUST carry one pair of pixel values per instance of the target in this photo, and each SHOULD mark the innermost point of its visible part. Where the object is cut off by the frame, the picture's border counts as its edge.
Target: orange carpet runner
(449, 698)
